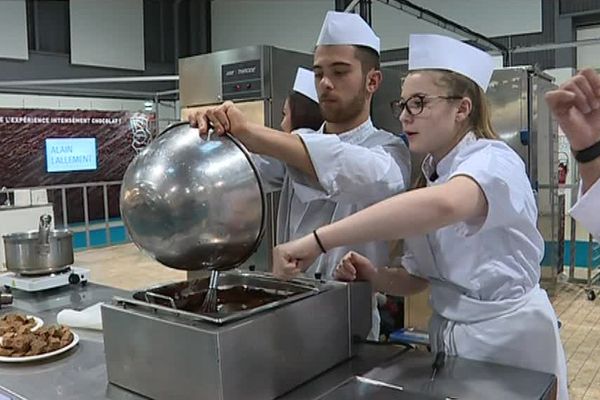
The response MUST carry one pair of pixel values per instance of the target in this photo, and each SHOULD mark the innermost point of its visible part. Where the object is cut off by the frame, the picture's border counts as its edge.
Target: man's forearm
(590, 173)
(287, 148)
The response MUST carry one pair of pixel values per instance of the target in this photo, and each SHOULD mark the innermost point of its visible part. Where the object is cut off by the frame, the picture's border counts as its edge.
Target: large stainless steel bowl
(192, 203)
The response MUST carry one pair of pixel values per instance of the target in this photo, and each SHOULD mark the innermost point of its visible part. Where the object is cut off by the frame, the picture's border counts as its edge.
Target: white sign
(71, 154)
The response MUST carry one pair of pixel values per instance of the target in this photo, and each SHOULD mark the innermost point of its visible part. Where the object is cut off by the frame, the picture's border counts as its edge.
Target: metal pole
(63, 192)
(572, 242)
(365, 10)
(106, 214)
(86, 217)
(561, 234)
(161, 25)
(351, 6)
(176, 29)
(81, 81)
(168, 92)
(156, 117)
(590, 258)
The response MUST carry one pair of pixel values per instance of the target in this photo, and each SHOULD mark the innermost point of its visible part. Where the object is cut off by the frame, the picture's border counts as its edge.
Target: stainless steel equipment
(266, 338)
(44, 251)
(522, 119)
(193, 203)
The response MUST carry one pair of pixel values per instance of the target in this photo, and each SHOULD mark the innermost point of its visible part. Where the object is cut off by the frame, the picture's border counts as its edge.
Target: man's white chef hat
(442, 52)
(340, 28)
(305, 84)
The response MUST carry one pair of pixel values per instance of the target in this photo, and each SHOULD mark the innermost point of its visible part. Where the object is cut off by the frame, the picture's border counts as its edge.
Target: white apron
(520, 332)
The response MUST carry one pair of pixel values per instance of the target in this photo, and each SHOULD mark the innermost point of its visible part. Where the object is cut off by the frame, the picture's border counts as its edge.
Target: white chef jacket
(484, 275)
(587, 210)
(355, 169)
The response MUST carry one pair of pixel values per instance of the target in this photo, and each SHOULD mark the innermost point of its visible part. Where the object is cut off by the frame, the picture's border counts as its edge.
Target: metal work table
(80, 374)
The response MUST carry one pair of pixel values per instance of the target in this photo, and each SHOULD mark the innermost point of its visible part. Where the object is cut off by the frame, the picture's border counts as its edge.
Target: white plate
(42, 356)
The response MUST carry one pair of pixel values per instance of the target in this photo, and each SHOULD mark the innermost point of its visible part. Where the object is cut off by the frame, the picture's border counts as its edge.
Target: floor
(127, 268)
(580, 335)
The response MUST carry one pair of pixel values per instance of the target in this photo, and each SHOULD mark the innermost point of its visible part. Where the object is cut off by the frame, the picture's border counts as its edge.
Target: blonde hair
(480, 118)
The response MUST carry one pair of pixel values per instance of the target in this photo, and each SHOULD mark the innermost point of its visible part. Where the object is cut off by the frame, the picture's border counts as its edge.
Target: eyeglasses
(415, 104)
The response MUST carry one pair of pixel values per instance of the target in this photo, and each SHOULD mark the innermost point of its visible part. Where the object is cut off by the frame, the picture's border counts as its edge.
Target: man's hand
(576, 106)
(224, 118)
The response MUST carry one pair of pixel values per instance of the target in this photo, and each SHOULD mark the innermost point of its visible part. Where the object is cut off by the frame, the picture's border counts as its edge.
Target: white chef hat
(305, 84)
(442, 52)
(347, 29)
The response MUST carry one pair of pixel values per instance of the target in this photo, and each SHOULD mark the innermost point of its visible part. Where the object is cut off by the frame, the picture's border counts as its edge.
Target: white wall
(488, 17)
(291, 24)
(295, 24)
(588, 56)
(108, 33)
(69, 103)
(13, 30)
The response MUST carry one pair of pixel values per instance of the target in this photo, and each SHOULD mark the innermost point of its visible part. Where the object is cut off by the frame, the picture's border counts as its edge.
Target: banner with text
(54, 147)
(48, 147)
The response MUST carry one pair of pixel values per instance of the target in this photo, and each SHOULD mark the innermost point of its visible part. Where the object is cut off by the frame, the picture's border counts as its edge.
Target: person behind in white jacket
(576, 107)
(301, 106)
(346, 165)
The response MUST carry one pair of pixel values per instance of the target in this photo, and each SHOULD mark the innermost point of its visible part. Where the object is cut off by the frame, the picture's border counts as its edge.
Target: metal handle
(5, 191)
(6, 298)
(214, 280)
(154, 296)
(44, 229)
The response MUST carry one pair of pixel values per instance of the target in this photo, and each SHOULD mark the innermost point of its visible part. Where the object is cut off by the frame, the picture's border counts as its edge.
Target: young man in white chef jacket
(343, 167)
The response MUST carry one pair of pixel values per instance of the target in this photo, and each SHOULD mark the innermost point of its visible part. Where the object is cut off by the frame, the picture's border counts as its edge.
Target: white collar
(355, 135)
(443, 167)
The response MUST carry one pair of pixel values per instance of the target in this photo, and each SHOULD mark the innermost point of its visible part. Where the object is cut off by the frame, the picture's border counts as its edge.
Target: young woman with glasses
(470, 228)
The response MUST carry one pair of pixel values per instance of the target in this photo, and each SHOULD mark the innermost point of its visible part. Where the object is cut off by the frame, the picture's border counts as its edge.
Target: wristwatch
(588, 154)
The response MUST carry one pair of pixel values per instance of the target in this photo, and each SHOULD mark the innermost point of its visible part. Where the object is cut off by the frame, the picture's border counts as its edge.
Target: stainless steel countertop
(80, 374)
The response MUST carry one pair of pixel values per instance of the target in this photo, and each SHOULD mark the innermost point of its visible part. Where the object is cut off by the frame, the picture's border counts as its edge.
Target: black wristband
(588, 154)
(319, 241)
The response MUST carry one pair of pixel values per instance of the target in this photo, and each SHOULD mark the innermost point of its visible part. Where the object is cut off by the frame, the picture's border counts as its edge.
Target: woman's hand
(292, 258)
(354, 266)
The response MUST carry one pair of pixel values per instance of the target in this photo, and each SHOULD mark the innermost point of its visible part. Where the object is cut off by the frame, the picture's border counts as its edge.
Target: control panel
(241, 80)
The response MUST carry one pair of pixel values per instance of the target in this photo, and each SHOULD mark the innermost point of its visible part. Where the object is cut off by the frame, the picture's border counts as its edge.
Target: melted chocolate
(237, 298)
